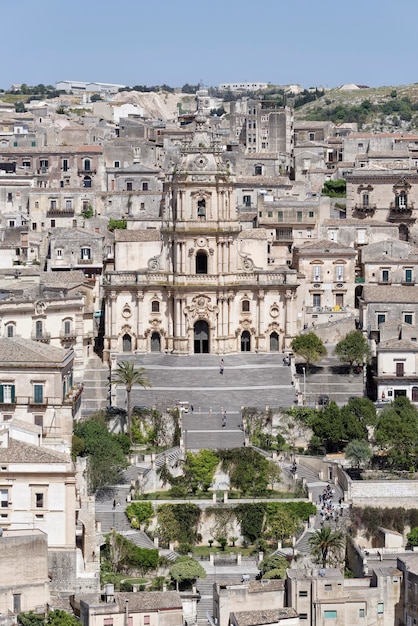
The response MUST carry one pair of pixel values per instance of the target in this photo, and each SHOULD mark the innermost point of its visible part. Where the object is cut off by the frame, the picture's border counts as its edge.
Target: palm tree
(325, 542)
(127, 375)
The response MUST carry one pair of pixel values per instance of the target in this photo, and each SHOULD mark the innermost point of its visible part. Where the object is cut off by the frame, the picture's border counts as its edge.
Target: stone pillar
(261, 295)
(225, 497)
(113, 334)
(140, 316)
(289, 315)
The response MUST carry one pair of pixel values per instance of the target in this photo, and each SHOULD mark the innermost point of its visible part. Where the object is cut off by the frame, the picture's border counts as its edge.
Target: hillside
(379, 109)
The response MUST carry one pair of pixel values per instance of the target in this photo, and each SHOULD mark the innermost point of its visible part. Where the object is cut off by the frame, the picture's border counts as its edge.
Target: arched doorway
(274, 342)
(155, 342)
(245, 341)
(201, 263)
(414, 394)
(126, 343)
(201, 337)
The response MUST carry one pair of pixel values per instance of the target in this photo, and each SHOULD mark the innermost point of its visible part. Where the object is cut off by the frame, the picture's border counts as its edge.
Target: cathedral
(201, 282)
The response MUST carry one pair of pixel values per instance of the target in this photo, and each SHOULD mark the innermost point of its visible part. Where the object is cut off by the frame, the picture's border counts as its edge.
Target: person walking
(221, 367)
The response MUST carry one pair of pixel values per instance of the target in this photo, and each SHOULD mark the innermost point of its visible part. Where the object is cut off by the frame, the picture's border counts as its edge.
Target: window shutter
(1, 394)
(12, 393)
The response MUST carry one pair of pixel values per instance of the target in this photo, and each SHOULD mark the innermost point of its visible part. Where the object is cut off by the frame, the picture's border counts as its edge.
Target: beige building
(156, 608)
(247, 595)
(199, 283)
(24, 585)
(322, 597)
(327, 291)
(36, 388)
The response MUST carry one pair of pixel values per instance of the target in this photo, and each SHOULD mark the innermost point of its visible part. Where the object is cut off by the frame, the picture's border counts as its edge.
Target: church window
(201, 208)
(201, 263)
(245, 306)
(155, 306)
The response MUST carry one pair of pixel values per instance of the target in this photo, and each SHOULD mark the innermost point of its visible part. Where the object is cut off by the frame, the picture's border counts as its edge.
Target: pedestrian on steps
(221, 367)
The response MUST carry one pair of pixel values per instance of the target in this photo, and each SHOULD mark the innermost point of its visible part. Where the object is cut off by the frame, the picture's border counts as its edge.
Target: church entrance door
(201, 337)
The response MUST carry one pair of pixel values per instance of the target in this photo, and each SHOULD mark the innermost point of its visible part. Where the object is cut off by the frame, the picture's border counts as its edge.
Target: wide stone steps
(248, 380)
(95, 387)
(213, 439)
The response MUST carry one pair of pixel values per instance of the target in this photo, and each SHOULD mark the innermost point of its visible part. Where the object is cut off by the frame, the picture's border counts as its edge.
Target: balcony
(40, 402)
(82, 172)
(60, 212)
(401, 212)
(328, 309)
(44, 337)
(364, 210)
(84, 261)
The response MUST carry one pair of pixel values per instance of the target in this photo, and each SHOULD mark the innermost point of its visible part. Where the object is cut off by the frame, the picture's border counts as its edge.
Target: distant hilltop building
(72, 86)
(258, 87)
(242, 86)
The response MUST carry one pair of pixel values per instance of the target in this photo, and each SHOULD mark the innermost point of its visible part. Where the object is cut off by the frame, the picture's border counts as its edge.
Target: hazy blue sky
(134, 42)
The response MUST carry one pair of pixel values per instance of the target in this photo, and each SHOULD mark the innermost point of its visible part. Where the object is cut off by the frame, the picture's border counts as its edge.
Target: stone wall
(62, 570)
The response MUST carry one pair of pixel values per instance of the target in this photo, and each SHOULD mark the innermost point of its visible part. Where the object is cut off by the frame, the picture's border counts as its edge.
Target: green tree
(186, 570)
(353, 348)
(335, 188)
(281, 526)
(335, 427)
(128, 376)
(115, 224)
(20, 107)
(178, 522)
(106, 455)
(358, 452)
(412, 537)
(326, 545)
(30, 619)
(54, 618)
(199, 469)
(248, 470)
(124, 556)
(396, 433)
(275, 563)
(363, 409)
(61, 618)
(139, 513)
(310, 347)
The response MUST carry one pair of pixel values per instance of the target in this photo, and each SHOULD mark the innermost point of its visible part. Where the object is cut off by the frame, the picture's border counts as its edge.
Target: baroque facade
(200, 283)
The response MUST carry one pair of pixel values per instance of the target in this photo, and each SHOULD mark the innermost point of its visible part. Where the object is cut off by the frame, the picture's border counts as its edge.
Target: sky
(133, 42)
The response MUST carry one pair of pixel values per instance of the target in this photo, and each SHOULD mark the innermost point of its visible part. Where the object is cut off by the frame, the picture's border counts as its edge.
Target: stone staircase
(329, 377)
(315, 487)
(205, 587)
(248, 380)
(95, 386)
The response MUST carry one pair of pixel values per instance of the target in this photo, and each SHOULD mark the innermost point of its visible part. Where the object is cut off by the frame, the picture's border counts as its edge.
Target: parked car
(323, 400)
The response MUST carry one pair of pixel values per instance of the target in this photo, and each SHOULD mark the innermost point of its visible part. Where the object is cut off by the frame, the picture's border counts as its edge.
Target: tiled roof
(137, 235)
(390, 293)
(325, 245)
(267, 616)
(257, 586)
(18, 351)
(149, 600)
(397, 345)
(257, 233)
(20, 452)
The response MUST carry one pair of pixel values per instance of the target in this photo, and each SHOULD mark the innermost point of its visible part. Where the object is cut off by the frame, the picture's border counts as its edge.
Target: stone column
(288, 313)
(261, 295)
(113, 334)
(139, 323)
